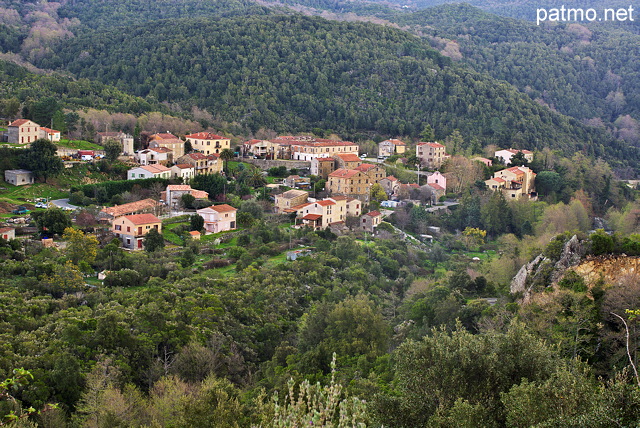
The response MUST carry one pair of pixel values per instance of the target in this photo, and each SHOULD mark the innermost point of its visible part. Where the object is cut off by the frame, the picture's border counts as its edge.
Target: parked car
(21, 210)
(41, 205)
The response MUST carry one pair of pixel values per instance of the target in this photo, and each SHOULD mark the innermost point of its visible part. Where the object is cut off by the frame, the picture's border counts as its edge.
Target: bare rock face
(572, 253)
(519, 283)
(541, 273)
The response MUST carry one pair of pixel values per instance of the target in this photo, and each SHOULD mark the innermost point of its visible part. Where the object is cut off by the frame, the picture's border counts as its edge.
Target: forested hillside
(294, 73)
(587, 73)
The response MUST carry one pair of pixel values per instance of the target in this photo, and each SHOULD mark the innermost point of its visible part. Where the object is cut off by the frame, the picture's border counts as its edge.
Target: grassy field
(79, 145)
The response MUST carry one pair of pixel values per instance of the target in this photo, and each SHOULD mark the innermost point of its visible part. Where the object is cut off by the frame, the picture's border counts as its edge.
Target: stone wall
(266, 164)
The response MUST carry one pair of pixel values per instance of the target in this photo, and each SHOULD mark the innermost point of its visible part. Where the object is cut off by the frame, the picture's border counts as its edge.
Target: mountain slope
(293, 73)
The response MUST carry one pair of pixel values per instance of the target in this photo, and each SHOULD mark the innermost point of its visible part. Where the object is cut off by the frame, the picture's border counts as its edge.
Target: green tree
(196, 222)
(187, 200)
(377, 193)
(153, 241)
(52, 221)
(427, 134)
(81, 247)
(226, 155)
(112, 149)
(41, 159)
(518, 160)
(214, 184)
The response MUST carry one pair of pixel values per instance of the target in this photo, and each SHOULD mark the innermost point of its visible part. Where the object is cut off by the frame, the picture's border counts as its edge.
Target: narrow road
(64, 204)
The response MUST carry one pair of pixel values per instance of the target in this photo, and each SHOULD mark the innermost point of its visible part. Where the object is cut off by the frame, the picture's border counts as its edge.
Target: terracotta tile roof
(132, 207)
(178, 187)
(163, 136)
(155, 169)
(498, 179)
(344, 173)
(299, 207)
(161, 150)
(199, 194)
(364, 167)
(196, 156)
(19, 122)
(325, 203)
(325, 159)
(339, 198)
(6, 229)
(312, 217)
(373, 213)
(224, 208)
(205, 136)
(413, 185)
(515, 170)
(348, 157)
(184, 166)
(434, 145)
(290, 194)
(49, 130)
(142, 219)
(250, 142)
(436, 186)
(194, 233)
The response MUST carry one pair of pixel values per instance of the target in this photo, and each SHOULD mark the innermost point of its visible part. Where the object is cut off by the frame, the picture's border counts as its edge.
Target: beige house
(169, 141)
(326, 212)
(218, 218)
(263, 149)
(7, 233)
(132, 228)
(23, 131)
(515, 182)
(322, 167)
(389, 184)
(307, 150)
(125, 139)
(159, 155)
(208, 143)
(370, 221)
(349, 182)
(374, 172)
(289, 199)
(347, 161)
(391, 147)
(184, 171)
(203, 164)
(431, 155)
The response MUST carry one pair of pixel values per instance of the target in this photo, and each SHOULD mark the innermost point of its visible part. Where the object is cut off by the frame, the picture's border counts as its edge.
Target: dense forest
(290, 73)
(585, 72)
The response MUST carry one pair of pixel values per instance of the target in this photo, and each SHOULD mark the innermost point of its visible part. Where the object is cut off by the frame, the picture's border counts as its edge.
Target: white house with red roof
(49, 134)
(158, 155)
(208, 143)
(148, 171)
(218, 218)
(515, 182)
(326, 212)
(169, 141)
(506, 155)
(203, 164)
(23, 131)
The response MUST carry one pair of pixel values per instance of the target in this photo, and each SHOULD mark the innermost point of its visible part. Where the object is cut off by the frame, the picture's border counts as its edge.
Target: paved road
(64, 204)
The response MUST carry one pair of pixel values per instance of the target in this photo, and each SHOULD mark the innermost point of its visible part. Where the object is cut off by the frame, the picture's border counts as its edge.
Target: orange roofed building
(349, 182)
(131, 229)
(138, 207)
(326, 212)
(208, 143)
(431, 155)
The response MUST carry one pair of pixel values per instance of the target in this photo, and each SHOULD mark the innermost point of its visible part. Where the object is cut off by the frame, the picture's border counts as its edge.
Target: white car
(41, 205)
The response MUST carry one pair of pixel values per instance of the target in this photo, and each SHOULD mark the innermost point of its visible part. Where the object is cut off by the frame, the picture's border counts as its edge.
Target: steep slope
(295, 73)
(586, 73)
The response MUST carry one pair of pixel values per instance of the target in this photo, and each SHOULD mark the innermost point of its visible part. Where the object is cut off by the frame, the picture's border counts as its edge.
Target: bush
(123, 278)
(217, 263)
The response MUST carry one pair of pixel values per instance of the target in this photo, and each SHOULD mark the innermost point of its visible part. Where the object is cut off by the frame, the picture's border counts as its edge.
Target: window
(128, 229)
(118, 227)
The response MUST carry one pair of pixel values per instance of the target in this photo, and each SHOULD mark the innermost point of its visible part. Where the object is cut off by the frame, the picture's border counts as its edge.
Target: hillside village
(342, 188)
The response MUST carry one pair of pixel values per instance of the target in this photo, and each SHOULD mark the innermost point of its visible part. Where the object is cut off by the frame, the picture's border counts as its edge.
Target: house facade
(326, 212)
(184, 171)
(349, 182)
(124, 139)
(144, 206)
(437, 178)
(515, 182)
(49, 134)
(208, 143)
(218, 218)
(374, 172)
(148, 171)
(7, 233)
(131, 229)
(203, 164)
(391, 147)
(160, 155)
(308, 150)
(169, 141)
(506, 155)
(322, 167)
(370, 221)
(431, 155)
(174, 192)
(23, 131)
(347, 161)
(18, 177)
(289, 199)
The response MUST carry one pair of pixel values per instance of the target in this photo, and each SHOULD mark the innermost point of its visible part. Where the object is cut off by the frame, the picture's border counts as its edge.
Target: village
(334, 186)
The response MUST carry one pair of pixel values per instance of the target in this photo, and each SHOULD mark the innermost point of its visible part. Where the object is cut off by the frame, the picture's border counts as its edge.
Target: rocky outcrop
(521, 283)
(572, 252)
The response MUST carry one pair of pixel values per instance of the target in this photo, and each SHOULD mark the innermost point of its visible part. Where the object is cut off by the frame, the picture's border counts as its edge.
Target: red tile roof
(434, 145)
(373, 213)
(498, 179)
(194, 233)
(325, 159)
(312, 217)
(364, 167)
(344, 173)
(118, 210)
(142, 219)
(163, 136)
(205, 136)
(299, 207)
(199, 194)
(49, 130)
(436, 186)
(6, 229)
(325, 203)
(178, 187)
(348, 157)
(19, 122)
(184, 166)
(155, 169)
(224, 208)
